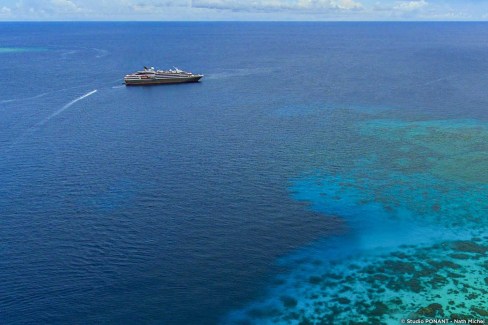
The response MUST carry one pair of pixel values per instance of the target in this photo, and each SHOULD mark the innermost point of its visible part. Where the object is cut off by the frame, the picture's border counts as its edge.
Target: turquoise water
(19, 49)
(414, 202)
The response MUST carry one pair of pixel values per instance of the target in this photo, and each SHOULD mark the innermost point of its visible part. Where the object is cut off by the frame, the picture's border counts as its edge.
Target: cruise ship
(151, 76)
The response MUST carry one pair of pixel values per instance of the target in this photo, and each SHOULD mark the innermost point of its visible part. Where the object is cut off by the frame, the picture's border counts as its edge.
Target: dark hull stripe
(141, 82)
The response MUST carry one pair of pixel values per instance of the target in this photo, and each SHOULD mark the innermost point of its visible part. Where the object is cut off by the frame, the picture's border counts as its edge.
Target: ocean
(320, 173)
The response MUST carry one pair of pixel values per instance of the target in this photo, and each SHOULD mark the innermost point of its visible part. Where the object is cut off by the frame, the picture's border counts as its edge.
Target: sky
(266, 10)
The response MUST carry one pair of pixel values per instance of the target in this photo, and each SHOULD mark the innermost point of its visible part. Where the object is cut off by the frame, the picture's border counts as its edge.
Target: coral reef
(409, 283)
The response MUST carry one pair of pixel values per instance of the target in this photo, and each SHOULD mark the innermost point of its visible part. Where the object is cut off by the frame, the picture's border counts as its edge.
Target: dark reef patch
(470, 247)
(288, 302)
(431, 311)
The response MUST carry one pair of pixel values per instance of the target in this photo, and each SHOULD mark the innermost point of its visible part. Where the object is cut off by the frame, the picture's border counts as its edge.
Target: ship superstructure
(151, 76)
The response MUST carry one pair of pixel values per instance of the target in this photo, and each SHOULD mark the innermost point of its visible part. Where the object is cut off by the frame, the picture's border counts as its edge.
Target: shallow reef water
(447, 280)
(4, 50)
(415, 205)
(451, 149)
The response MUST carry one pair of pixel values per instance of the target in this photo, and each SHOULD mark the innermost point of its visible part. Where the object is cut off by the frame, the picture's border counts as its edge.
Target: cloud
(410, 5)
(278, 5)
(43, 9)
(148, 6)
(348, 4)
(65, 5)
(5, 11)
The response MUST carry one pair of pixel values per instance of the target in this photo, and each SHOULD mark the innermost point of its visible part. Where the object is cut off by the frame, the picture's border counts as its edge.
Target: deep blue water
(192, 204)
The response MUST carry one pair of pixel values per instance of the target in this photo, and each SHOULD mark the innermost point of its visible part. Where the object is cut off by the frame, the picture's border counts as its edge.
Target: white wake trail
(65, 107)
(35, 127)
(22, 99)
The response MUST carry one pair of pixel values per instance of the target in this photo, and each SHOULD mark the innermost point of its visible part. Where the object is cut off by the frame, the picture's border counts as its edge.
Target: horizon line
(243, 21)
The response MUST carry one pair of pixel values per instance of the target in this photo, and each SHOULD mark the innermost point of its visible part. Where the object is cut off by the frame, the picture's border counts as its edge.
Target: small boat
(151, 76)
